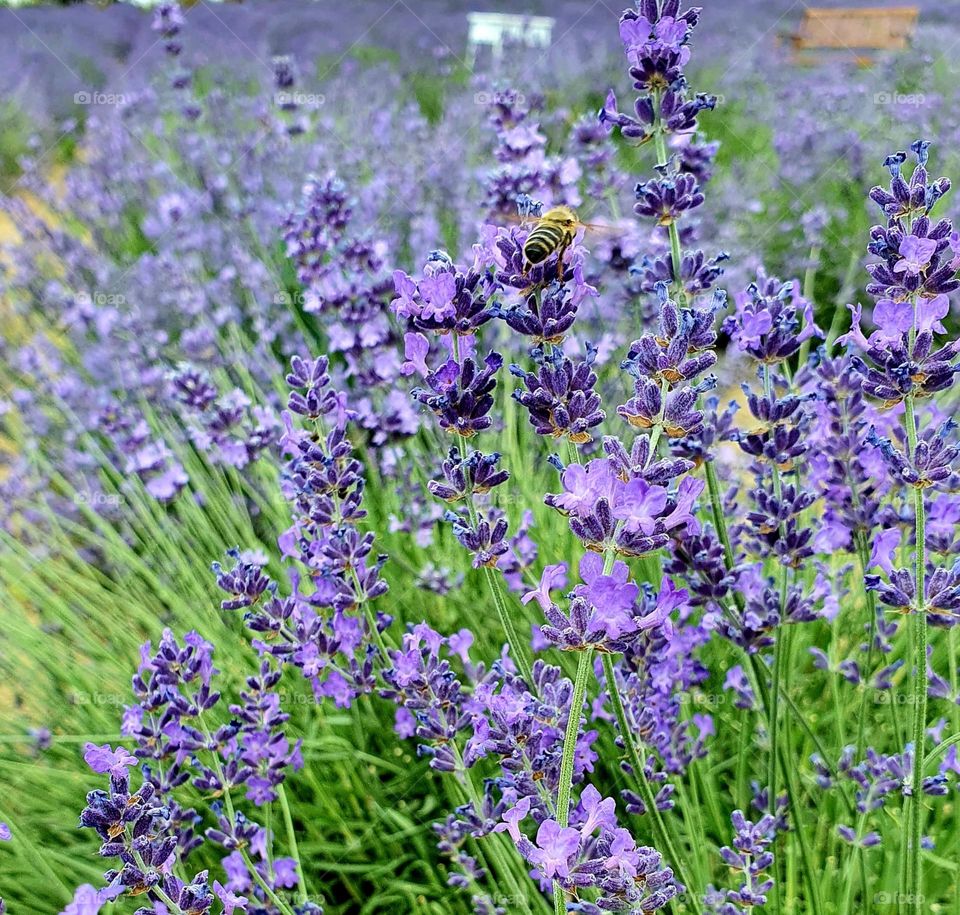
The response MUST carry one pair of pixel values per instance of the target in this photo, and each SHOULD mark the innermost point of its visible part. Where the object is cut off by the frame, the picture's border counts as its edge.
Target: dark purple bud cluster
(941, 600)
(842, 467)
(172, 689)
(698, 273)
(641, 461)
(697, 156)
(656, 39)
(485, 538)
(654, 677)
(560, 395)
(477, 473)
(875, 778)
(908, 199)
(313, 234)
(263, 747)
(930, 465)
(666, 199)
(663, 366)
(142, 454)
(137, 828)
(133, 828)
(717, 427)
(700, 560)
(545, 318)
(461, 394)
(453, 834)
(174, 693)
(764, 612)
(167, 21)
(683, 347)
(285, 98)
(227, 428)
(894, 370)
(770, 324)
(429, 696)
(676, 411)
(522, 728)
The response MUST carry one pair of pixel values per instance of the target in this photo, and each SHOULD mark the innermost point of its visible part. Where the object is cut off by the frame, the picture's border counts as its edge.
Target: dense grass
(363, 805)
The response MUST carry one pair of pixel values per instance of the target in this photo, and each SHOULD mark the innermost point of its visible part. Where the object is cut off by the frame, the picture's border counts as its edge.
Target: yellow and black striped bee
(553, 234)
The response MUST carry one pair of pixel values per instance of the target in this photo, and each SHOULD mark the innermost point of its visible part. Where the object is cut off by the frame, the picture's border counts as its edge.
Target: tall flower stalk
(901, 363)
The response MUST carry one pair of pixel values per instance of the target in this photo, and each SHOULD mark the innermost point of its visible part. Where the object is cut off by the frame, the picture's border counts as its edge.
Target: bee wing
(603, 228)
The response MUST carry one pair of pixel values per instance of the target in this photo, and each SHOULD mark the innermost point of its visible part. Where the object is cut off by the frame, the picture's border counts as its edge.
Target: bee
(553, 234)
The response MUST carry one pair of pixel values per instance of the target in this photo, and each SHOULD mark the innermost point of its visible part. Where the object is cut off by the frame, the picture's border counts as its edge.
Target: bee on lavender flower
(553, 233)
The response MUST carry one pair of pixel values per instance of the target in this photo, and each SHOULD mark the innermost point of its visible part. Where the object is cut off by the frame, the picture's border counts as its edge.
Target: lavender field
(440, 479)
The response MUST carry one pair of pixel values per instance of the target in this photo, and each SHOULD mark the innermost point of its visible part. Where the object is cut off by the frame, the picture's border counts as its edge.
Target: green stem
(919, 638)
(788, 770)
(716, 506)
(848, 894)
(662, 835)
(809, 285)
(467, 788)
(292, 839)
(778, 648)
(371, 616)
(759, 674)
(863, 554)
(271, 895)
(584, 667)
(228, 803)
(660, 143)
(513, 637)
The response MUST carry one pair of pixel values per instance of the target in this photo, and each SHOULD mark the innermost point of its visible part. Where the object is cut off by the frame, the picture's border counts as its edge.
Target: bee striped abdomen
(542, 242)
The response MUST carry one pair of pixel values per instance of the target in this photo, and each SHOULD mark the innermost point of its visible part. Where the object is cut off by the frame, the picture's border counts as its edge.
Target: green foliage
(15, 131)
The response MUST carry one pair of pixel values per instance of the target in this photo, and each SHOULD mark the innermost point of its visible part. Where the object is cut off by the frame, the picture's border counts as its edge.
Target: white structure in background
(494, 29)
